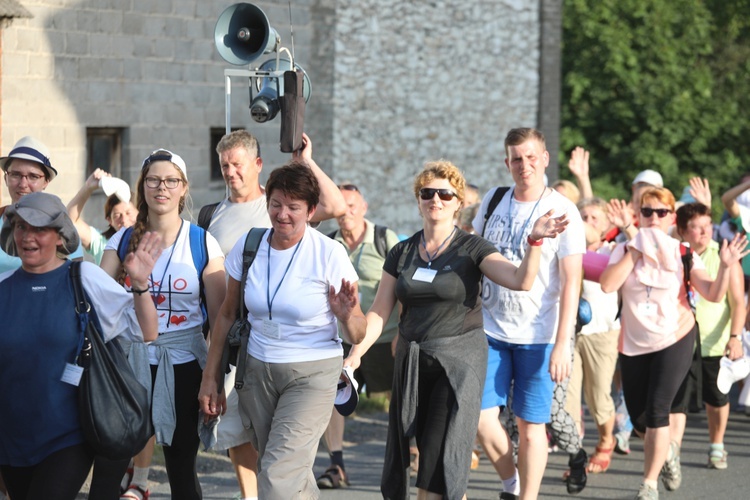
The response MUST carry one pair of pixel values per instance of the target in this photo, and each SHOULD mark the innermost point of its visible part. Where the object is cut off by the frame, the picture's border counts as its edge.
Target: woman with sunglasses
(178, 355)
(441, 353)
(658, 328)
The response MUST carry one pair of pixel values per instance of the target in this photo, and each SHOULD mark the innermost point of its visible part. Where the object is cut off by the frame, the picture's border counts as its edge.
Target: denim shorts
(527, 367)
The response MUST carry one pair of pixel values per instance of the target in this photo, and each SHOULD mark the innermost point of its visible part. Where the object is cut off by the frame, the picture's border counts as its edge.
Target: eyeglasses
(17, 177)
(348, 187)
(661, 212)
(169, 182)
(443, 194)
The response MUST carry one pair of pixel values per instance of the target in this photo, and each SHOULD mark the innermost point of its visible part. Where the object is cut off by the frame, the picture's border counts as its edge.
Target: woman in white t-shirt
(178, 355)
(300, 283)
(658, 327)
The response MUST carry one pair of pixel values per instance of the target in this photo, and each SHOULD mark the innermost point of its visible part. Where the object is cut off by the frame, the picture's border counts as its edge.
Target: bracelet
(534, 243)
(734, 336)
(138, 292)
(626, 227)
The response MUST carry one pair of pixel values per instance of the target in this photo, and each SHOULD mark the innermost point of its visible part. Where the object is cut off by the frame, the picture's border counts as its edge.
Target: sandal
(135, 492)
(601, 459)
(334, 477)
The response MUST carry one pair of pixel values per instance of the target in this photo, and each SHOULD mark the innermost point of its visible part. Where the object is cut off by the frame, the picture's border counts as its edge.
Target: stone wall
(394, 84)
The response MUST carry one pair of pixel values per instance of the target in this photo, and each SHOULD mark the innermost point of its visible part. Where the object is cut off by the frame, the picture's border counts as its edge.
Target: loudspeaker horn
(265, 105)
(243, 34)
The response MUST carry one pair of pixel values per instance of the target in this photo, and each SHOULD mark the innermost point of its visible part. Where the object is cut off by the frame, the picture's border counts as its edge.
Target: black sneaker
(576, 480)
(505, 495)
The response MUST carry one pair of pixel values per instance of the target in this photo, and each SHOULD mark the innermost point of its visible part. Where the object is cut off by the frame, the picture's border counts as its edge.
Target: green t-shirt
(369, 266)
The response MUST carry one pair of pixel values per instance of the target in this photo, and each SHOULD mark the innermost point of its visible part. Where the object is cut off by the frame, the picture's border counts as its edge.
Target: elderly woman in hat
(42, 450)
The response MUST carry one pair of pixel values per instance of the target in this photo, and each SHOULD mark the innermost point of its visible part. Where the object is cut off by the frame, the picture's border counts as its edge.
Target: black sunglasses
(661, 212)
(443, 194)
(348, 187)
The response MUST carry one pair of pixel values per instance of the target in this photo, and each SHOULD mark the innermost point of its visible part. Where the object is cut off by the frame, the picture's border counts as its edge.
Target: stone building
(104, 82)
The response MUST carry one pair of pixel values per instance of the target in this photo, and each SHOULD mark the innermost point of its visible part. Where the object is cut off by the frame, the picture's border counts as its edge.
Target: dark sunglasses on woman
(443, 194)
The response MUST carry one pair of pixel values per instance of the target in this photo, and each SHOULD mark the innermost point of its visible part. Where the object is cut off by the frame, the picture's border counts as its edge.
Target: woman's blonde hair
(441, 169)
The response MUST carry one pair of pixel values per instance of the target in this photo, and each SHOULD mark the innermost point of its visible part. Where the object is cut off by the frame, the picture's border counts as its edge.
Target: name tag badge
(271, 329)
(72, 374)
(424, 274)
(647, 309)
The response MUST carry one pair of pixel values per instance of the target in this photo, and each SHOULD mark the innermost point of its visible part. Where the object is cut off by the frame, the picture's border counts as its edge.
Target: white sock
(512, 484)
(250, 498)
(140, 477)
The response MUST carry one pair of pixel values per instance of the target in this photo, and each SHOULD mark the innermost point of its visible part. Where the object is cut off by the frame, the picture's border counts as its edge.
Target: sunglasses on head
(348, 187)
(661, 212)
(443, 194)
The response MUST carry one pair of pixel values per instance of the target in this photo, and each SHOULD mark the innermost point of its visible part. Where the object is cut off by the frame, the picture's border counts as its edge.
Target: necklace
(169, 260)
(431, 257)
(516, 238)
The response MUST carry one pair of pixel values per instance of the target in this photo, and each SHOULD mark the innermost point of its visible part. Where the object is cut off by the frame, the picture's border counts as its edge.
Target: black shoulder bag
(115, 408)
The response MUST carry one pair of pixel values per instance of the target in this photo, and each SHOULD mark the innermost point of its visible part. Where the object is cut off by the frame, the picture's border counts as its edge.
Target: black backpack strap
(252, 244)
(497, 196)
(381, 243)
(204, 216)
(83, 307)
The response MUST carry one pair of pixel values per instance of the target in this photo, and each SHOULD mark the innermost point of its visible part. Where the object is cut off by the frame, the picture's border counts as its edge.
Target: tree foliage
(660, 84)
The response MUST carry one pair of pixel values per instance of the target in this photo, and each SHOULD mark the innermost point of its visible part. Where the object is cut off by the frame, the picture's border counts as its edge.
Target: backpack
(204, 216)
(497, 196)
(198, 249)
(381, 244)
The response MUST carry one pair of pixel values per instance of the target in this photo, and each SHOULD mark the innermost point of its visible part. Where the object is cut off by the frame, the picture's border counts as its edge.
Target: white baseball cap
(649, 177)
(731, 372)
(347, 395)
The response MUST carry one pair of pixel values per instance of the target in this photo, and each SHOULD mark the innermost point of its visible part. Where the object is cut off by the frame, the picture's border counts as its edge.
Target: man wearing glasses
(27, 170)
(529, 333)
(228, 221)
(367, 245)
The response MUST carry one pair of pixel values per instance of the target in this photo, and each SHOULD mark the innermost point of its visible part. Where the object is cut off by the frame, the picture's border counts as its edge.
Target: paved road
(364, 458)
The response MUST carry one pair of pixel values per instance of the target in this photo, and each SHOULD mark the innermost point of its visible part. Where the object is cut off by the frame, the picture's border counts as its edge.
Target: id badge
(72, 374)
(271, 329)
(647, 309)
(424, 274)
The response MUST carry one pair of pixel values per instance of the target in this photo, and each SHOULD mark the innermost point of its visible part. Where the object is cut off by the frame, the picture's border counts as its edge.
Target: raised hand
(547, 226)
(140, 263)
(305, 153)
(619, 213)
(700, 191)
(344, 302)
(579, 162)
(735, 250)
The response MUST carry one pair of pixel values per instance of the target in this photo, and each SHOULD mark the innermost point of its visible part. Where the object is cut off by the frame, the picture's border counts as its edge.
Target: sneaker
(671, 472)
(646, 492)
(576, 478)
(334, 477)
(622, 444)
(505, 495)
(135, 492)
(717, 459)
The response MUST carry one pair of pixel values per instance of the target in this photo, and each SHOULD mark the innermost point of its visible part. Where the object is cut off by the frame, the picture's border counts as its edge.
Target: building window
(216, 134)
(104, 150)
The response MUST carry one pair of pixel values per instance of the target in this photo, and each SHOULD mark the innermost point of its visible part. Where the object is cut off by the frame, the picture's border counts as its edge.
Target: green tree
(659, 84)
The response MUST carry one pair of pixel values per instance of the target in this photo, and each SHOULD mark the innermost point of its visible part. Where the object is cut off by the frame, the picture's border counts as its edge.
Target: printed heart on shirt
(160, 299)
(176, 320)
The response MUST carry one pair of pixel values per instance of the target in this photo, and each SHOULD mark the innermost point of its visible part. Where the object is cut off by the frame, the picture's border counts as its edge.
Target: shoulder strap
(122, 248)
(204, 216)
(199, 253)
(252, 244)
(75, 276)
(381, 245)
(497, 196)
(332, 234)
